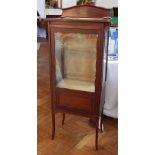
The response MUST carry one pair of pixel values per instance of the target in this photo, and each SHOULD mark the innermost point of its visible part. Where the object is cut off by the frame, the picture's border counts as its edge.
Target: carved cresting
(86, 11)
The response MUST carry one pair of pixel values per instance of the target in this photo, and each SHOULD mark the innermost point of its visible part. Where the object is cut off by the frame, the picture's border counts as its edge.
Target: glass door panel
(75, 55)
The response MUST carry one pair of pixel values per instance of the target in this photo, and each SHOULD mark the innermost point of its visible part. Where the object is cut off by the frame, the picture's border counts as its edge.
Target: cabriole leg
(63, 118)
(53, 125)
(96, 138)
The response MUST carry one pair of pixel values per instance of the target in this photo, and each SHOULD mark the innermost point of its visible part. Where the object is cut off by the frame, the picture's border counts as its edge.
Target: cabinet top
(70, 19)
(85, 13)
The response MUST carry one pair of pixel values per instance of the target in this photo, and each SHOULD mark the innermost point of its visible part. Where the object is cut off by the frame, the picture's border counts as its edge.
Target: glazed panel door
(75, 57)
(77, 67)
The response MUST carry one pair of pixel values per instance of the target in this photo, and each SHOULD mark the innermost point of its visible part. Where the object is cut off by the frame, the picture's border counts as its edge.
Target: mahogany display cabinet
(78, 45)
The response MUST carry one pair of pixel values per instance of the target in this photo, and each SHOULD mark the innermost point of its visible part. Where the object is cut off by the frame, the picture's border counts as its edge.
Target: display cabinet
(77, 49)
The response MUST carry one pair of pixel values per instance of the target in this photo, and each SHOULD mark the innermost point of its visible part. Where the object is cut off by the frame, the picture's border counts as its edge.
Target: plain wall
(68, 3)
(107, 3)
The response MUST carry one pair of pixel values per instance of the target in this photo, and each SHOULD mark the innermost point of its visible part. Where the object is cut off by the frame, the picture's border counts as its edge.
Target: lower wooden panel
(74, 102)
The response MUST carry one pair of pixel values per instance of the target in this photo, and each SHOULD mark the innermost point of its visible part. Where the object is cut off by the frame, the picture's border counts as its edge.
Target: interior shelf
(76, 85)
